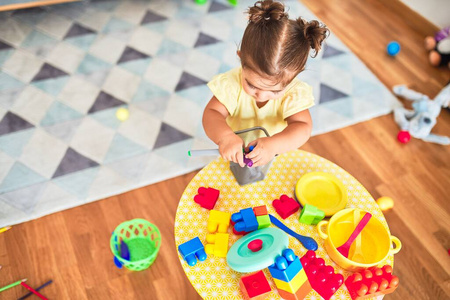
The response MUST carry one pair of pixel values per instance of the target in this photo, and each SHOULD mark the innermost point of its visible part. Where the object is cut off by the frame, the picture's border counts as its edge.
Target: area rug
(66, 69)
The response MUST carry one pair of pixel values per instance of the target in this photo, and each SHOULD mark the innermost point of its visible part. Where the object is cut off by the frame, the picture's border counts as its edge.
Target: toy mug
(376, 241)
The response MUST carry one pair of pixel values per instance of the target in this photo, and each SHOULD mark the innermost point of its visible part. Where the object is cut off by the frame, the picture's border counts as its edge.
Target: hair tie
(267, 18)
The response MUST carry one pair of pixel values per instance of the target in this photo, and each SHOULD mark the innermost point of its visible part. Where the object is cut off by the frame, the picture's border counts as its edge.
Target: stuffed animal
(419, 122)
(439, 48)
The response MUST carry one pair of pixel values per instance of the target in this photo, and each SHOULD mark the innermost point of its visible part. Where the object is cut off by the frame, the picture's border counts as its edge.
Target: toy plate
(242, 259)
(322, 190)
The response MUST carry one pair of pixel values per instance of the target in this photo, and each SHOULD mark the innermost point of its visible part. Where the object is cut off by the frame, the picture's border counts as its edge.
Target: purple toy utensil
(343, 249)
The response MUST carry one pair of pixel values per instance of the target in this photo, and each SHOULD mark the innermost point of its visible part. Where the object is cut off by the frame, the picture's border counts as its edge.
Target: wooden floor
(72, 247)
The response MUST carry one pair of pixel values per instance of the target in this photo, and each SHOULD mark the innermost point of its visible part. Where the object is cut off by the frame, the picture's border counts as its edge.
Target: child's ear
(238, 52)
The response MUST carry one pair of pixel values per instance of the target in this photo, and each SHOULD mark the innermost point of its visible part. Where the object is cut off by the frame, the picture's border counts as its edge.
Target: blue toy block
(191, 250)
(245, 220)
(286, 267)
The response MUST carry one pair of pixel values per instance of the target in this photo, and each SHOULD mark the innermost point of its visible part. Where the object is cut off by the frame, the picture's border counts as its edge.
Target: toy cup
(142, 240)
(376, 241)
(246, 175)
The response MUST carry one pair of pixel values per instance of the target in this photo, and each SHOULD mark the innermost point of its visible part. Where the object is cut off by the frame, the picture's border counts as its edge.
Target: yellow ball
(385, 203)
(122, 114)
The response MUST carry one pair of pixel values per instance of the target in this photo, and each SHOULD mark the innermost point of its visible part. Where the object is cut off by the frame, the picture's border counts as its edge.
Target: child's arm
(292, 137)
(217, 129)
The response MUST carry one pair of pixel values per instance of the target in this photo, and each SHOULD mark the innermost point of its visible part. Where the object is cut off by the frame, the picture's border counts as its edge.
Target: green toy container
(143, 240)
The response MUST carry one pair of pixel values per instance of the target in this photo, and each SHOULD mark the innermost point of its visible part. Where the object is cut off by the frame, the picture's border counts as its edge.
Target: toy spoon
(357, 254)
(343, 249)
(307, 242)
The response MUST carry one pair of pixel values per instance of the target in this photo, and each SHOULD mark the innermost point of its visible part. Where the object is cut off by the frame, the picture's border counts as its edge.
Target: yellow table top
(213, 279)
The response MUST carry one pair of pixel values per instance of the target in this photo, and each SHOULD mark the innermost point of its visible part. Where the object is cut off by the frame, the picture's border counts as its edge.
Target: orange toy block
(218, 221)
(301, 293)
(260, 210)
(254, 286)
(217, 244)
(371, 283)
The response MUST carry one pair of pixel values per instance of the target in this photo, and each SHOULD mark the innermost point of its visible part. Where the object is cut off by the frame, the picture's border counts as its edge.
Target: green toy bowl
(143, 240)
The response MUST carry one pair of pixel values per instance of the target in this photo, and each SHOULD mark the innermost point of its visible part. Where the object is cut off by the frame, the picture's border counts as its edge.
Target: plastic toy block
(286, 267)
(371, 283)
(245, 220)
(263, 221)
(322, 277)
(260, 210)
(286, 206)
(191, 250)
(311, 215)
(218, 221)
(217, 244)
(293, 285)
(254, 286)
(237, 232)
(207, 197)
(301, 293)
(233, 2)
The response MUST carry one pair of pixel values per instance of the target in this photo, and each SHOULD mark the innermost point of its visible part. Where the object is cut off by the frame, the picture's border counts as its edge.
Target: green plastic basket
(143, 240)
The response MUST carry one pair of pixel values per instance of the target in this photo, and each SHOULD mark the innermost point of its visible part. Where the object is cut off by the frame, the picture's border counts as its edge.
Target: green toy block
(263, 221)
(232, 2)
(201, 1)
(311, 215)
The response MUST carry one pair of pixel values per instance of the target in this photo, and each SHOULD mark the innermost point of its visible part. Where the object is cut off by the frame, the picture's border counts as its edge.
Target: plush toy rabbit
(419, 122)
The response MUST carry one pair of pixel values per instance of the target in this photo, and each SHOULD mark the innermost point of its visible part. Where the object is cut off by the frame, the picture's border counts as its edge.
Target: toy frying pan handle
(307, 242)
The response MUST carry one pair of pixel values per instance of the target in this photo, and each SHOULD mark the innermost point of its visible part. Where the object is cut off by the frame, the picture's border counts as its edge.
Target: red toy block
(286, 206)
(260, 210)
(322, 277)
(254, 286)
(371, 283)
(207, 197)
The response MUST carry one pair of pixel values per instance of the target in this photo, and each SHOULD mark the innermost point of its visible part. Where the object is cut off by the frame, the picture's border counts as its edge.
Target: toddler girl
(264, 91)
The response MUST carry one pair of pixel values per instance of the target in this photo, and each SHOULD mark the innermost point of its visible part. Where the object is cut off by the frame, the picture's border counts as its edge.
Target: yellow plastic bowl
(376, 241)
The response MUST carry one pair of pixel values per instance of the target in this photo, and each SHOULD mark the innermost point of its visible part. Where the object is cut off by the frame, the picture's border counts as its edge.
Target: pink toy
(286, 206)
(403, 136)
(371, 283)
(207, 197)
(322, 277)
(254, 286)
(255, 245)
(343, 249)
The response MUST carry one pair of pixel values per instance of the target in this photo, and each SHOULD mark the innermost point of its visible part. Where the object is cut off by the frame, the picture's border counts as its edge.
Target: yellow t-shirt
(244, 113)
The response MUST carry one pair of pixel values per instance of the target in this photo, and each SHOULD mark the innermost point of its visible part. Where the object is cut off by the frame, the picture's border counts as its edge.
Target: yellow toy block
(218, 221)
(293, 285)
(217, 244)
(263, 221)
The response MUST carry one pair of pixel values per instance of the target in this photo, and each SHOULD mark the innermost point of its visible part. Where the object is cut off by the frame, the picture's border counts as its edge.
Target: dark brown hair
(275, 46)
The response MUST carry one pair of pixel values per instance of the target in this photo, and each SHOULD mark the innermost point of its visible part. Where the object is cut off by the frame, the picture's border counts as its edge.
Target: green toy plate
(241, 259)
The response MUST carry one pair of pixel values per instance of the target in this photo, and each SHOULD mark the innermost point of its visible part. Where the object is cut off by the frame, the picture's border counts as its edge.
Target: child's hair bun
(265, 11)
(314, 32)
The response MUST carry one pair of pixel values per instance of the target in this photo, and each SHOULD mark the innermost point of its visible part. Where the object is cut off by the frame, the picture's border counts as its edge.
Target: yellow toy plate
(322, 190)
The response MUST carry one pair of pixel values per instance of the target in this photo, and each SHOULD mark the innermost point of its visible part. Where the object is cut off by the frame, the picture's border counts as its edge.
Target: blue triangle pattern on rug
(13, 143)
(59, 112)
(155, 66)
(20, 176)
(121, 148)
(25, 199)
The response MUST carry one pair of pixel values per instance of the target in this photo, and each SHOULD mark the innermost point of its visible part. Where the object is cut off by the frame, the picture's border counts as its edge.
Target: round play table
(212, 278)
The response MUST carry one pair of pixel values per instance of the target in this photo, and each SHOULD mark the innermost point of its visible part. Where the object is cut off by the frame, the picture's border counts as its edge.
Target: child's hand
(263, 152)
(230, 148)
